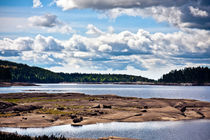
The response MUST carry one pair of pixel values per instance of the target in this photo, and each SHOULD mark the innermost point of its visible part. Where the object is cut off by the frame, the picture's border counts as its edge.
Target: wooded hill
(187, 75)
(14, 72)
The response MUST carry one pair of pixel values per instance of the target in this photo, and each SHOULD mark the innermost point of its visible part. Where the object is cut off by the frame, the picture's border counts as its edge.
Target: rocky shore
(42, 109)
(9, 84)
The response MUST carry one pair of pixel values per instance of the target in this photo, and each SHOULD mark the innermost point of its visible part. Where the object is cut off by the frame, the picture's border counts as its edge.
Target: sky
(136, 37)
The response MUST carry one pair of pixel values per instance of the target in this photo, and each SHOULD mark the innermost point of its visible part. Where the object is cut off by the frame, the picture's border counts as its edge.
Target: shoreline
(26, 110)
(10, 84)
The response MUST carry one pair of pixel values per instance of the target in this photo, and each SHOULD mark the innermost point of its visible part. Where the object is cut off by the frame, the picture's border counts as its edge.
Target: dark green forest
(187, 75)
(15, 72)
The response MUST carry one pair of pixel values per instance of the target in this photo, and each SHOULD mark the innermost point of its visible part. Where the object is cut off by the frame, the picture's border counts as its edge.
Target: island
(42, 109)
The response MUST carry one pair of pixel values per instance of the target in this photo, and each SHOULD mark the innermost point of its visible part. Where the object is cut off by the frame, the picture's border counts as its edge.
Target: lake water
(178, 130)
(168, 130)
(142, 91)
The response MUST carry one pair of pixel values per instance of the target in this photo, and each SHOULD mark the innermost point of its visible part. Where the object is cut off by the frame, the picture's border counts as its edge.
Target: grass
(14, 136)
(37, 99)
(7, 114)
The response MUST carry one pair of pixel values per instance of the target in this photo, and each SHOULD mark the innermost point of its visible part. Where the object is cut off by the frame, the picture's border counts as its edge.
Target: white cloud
(197, 12)
(37, 3)
(104, 48)
(110, 4)
(128, 52)
(47, 20)
(92, 30)
(176, 13)
(64, 29)
(51, 23)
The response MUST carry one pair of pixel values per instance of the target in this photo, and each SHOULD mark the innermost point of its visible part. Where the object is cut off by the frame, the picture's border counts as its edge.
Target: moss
(23, 100)
(37, 99)
(7, 114)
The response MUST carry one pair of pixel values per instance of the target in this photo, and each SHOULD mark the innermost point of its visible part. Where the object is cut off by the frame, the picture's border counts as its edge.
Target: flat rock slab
(42, 109)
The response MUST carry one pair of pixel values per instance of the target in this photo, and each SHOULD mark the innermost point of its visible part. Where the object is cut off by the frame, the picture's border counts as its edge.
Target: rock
(144, 110)
(97, 106)
(93, 114)
(22, 108)
(4, 105)
(18, 114)
(23, 118)
(73, 116)
(138, 114)
(77, 120)
(107, 106)
(60, 108)
(101, 112)
(92, 100)
(183, 109)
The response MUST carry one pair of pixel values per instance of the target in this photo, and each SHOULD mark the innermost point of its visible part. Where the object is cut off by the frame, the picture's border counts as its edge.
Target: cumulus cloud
(197, 12)
(180, 13)
(110, 4)
(47, 20)
(92, 30)
(140, 51)
(37, 3)
(51, 23)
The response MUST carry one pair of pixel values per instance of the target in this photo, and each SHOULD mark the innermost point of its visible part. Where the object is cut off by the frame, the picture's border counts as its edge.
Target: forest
(187, 75)
(15, 72)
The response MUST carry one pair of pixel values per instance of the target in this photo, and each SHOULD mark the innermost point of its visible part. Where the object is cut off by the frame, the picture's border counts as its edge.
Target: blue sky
(146, 38)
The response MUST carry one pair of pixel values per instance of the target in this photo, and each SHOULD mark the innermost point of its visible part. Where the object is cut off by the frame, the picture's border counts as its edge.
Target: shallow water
(143, 91)
(179, 130)
(167, 130)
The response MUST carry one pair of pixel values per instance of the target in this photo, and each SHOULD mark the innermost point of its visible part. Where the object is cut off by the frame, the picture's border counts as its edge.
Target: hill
(15, 72)
(187, 75)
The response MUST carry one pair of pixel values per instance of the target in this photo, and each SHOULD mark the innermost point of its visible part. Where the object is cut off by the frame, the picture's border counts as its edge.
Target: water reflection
(181, 130)
(143, 91)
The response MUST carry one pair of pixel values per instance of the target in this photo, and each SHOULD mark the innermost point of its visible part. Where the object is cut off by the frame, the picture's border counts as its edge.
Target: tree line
(15, 72)
(187, 75)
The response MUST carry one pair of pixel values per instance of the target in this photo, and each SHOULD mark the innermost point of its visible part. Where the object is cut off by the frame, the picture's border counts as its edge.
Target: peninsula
(42, 109)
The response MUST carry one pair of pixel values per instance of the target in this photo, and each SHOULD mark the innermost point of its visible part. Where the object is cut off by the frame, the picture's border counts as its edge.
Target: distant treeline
(15, 72)
(187, 75)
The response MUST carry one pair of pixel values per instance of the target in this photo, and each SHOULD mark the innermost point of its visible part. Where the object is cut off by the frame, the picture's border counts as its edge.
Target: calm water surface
(143, 91)
(178, 130)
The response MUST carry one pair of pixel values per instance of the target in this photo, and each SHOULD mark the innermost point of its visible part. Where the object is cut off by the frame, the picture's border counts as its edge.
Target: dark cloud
(47, 20)
(180, 13)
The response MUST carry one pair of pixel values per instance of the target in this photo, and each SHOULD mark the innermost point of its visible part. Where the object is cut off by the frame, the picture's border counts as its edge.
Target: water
(178, 130)
(142, 91)
(168, 130)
